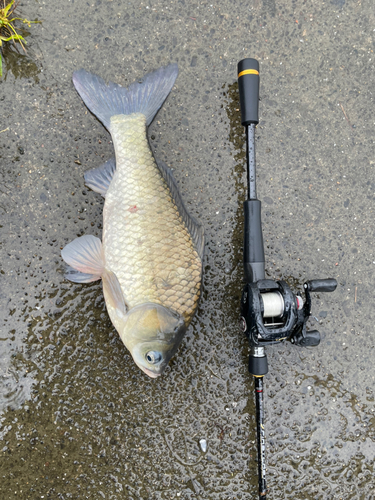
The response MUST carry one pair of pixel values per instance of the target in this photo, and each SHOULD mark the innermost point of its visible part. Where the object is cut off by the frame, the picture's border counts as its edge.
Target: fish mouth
(148, 372)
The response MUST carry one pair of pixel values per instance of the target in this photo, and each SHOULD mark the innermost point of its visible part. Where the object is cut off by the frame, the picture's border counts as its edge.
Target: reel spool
(272, 305)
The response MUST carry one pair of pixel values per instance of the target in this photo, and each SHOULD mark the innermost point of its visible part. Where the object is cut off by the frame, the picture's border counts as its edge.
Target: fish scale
(146, 242)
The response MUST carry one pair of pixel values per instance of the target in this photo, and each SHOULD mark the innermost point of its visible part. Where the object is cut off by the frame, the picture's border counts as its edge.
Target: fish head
(152, 333)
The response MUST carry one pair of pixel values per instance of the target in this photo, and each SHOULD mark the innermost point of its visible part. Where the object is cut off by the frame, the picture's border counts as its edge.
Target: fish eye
(153, 357)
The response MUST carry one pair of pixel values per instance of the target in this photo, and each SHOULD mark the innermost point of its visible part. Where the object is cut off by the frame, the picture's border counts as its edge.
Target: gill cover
(152, 333)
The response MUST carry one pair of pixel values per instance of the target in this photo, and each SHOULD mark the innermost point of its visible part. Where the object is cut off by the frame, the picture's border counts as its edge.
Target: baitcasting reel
(271, 312)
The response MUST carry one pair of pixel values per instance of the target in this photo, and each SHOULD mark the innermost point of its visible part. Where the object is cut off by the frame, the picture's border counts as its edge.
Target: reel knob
(310, 338)
(327, 285)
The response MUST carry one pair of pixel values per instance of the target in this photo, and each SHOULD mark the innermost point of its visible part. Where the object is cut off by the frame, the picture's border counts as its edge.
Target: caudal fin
(106, 100)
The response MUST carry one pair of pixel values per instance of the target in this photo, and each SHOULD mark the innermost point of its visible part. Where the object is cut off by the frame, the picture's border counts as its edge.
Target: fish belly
(145, 240)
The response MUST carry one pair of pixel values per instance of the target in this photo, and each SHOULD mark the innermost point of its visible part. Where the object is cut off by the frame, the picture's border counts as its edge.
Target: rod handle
(248, 86)
(253, 252)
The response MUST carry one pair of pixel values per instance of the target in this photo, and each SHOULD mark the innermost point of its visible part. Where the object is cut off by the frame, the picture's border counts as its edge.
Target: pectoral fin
(114, 300)
(85, 259)
(113, 293)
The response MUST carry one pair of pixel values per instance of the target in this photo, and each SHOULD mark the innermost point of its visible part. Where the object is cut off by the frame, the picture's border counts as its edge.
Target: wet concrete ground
(79, 420)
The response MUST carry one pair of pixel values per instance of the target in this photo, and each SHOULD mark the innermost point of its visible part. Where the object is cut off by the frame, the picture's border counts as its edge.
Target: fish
(151, 253)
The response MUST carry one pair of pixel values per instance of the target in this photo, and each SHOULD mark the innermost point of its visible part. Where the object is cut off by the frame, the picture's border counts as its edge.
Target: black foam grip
(253, 238)
(248, 87)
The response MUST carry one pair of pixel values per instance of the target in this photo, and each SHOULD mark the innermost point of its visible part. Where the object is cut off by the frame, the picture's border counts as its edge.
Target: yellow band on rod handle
(248, 72)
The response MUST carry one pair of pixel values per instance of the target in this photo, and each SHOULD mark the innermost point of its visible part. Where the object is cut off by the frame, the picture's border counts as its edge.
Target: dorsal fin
(99, 179)
(195, 229)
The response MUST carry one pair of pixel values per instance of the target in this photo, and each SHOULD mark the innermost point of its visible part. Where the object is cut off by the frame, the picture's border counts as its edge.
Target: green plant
(8, 30)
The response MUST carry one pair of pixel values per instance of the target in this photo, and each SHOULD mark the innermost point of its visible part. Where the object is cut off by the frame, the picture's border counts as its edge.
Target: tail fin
(112, 99)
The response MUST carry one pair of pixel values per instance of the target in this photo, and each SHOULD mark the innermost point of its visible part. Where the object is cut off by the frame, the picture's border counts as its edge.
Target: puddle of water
(19, 64)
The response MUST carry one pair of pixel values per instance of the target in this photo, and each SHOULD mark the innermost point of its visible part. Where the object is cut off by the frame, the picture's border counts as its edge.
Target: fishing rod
(270, 311)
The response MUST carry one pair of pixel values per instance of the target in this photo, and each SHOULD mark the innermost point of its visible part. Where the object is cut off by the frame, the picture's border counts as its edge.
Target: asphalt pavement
(78, 419)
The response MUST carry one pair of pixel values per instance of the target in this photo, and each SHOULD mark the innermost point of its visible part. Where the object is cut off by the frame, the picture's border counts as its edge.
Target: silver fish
(150, 261)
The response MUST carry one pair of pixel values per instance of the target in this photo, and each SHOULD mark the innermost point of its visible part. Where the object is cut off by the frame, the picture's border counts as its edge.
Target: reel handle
(248, 87)
(310, 338)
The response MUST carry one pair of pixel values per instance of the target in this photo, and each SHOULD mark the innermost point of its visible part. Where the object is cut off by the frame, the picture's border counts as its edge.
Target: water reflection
(20, 64)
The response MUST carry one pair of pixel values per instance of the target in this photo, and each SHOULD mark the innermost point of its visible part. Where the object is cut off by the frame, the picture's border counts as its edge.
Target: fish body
(150, 260)
(148, 247)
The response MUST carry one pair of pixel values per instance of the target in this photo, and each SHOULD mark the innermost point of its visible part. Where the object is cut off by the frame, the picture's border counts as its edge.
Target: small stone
(203, 445)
